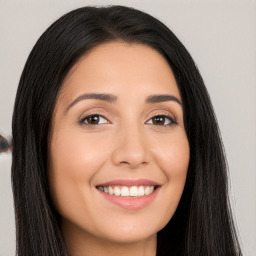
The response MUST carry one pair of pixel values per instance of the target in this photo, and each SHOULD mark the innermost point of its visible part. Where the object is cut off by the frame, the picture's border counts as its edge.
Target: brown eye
(159, 120)
(163, 120)
(93, 120)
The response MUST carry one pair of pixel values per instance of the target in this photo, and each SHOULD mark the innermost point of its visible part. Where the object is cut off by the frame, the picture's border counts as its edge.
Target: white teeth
(133, 191)
(125, 191)
(149, 190)
(117, 191)
(110, 190)
(141, 191)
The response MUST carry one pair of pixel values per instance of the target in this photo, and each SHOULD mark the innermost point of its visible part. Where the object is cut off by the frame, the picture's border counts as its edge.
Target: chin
(131, 232)
(121, 237)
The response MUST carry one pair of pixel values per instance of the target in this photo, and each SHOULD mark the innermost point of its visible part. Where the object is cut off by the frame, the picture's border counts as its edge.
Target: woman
(116, 149)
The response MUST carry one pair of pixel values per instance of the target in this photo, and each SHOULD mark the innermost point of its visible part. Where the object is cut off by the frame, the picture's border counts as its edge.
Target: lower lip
(131, 203)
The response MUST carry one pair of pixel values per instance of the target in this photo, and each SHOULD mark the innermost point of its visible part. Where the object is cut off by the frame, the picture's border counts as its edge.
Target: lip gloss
(132, 203)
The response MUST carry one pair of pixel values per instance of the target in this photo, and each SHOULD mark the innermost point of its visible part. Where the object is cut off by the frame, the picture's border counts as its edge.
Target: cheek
(172, 155)
(74, 160)
(76, 156)
(173, 159)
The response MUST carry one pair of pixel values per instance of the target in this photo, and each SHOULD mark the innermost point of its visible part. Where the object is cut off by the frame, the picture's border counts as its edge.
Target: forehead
(125, 68)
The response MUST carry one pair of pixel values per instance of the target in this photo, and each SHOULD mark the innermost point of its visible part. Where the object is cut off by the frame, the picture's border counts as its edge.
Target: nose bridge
(130, 146)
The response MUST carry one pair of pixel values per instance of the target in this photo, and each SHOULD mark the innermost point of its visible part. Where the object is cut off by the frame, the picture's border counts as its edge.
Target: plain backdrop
(221, 37)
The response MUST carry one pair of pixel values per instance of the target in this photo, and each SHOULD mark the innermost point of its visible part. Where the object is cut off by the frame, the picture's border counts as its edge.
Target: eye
(162, 120)
(93, 119)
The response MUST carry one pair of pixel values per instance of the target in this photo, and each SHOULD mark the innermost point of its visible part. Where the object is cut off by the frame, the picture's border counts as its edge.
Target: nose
(131, 148)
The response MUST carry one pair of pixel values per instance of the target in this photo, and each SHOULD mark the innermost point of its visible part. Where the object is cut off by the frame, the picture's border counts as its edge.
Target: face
(118, 151)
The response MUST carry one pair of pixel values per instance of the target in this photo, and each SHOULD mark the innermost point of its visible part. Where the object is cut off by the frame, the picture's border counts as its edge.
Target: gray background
(221, 37)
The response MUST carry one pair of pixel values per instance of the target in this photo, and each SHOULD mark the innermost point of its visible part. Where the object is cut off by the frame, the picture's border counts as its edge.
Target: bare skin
(123, 139)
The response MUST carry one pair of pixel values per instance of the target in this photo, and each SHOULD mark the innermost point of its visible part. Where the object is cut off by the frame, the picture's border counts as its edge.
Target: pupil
(159, 120)
(93, 119)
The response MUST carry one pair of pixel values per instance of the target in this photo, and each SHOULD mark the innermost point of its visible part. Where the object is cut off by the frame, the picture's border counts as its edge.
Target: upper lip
(129, 182)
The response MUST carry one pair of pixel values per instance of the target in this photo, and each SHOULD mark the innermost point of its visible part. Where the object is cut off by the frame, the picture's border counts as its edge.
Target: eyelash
(173, 121)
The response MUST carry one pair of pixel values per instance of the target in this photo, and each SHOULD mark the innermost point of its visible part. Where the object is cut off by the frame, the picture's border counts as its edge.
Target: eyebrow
(151, 99)
(161, 98)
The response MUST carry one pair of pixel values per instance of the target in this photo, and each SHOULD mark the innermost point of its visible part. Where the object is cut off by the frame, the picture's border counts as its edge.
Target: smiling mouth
(128, 191)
